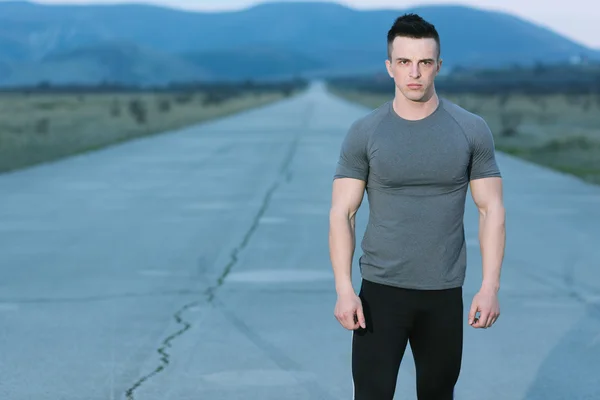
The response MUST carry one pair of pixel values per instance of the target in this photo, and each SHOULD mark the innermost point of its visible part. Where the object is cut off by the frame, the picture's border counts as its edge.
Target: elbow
(337, 213)
(341, 218)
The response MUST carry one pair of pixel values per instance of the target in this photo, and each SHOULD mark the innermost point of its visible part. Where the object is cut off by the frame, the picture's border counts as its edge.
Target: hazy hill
(112, 61)
(262, 62)
(290, 38)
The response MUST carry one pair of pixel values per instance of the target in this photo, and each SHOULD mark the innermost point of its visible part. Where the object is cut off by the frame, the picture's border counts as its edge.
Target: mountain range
(143, 44)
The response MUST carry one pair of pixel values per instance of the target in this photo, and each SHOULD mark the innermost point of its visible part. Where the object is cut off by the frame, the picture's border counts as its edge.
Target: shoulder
(466, 119)
(368, 123)
(473, 125)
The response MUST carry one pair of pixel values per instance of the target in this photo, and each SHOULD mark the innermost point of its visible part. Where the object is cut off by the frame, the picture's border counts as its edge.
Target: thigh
(437, 343)
(377, 351)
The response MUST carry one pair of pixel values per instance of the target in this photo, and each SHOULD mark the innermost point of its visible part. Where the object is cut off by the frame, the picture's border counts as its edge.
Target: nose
(414, 71)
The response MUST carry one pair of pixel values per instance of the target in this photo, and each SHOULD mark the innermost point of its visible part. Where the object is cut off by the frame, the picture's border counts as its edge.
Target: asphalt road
(194, 265)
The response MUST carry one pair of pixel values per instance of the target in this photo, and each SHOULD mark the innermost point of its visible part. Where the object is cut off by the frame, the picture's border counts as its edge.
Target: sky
(575, 19)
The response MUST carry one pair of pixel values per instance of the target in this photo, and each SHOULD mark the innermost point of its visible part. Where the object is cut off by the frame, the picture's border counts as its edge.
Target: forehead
(414, 48)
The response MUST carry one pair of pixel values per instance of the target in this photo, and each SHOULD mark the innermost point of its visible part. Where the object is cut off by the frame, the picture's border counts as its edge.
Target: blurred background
(71, 70)
(165, 179)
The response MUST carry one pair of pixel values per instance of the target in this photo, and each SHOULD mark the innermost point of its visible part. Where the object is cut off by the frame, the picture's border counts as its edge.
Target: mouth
(414, 86)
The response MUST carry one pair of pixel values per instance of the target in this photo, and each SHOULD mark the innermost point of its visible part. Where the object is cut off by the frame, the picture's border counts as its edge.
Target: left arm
(486, 189)
(487, 195)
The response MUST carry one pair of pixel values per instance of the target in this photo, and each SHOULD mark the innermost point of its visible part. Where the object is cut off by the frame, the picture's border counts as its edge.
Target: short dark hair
(413, 26)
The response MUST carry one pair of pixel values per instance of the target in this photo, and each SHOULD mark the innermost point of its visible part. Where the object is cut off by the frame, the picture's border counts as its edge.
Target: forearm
(492, 239)
(341, 250)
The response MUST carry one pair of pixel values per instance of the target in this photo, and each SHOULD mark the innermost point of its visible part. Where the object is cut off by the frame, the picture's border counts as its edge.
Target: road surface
(194, 265)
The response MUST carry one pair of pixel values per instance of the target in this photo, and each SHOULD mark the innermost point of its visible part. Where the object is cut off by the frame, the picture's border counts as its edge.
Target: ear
(388, 66)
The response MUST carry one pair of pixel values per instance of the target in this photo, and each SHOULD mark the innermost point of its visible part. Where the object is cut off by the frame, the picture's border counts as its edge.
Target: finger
(350, 321)
(361, 317)
(341, 319)
(472, 313)
(344, 323)
(483, 319)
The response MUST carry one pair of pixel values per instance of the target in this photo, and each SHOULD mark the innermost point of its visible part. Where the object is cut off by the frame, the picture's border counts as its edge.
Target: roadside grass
(42, 127)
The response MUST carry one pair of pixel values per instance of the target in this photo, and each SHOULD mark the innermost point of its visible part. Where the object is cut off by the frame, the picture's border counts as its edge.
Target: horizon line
(259, 3)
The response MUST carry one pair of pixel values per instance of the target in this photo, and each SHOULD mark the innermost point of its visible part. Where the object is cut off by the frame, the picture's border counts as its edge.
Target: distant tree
(138, 110)
(163, 105)
(510, 122)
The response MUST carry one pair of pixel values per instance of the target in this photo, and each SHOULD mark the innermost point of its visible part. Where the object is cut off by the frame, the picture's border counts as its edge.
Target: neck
(415, 110)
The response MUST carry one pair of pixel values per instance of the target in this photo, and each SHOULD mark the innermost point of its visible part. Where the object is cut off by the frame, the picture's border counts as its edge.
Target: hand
(486, 303)
(349, 311)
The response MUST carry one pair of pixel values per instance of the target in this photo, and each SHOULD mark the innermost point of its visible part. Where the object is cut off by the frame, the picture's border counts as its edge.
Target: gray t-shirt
(417, 175)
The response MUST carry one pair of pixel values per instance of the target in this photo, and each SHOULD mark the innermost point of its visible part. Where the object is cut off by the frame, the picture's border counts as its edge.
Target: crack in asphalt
(284, 174)
(210, 292)
(164, 359)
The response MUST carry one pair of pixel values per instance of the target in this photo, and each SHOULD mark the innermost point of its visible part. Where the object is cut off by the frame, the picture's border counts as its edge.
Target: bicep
(347, 196)
(487, 193)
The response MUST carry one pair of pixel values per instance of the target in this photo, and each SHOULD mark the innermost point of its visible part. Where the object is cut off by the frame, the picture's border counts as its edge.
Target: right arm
(347, 196)
(349, 185)
(346, 199)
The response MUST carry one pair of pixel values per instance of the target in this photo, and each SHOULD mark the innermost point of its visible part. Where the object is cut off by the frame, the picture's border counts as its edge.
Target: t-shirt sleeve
(483, 157)
(353, 161)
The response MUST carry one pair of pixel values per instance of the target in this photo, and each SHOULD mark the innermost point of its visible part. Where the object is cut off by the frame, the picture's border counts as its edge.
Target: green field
(41, 127)
(558, 131)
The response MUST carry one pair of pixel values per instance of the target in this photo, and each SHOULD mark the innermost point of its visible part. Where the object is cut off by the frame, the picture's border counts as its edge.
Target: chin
(414, 95)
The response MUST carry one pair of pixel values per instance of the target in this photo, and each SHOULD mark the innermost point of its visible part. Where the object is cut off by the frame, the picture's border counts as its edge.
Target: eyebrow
(406, 59)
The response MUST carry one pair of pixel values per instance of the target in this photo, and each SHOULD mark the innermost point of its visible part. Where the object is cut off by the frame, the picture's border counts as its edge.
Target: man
(415, 156)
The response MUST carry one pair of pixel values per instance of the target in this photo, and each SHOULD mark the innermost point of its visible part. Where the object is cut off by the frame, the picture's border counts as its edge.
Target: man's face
(414, 64)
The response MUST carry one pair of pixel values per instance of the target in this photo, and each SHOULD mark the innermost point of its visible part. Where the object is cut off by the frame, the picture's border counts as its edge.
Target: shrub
(184, 98)
(138, 110)
(510, 121)
(164, 105)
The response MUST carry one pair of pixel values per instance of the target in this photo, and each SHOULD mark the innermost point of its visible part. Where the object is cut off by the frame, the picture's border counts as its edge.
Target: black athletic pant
(430, 320)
